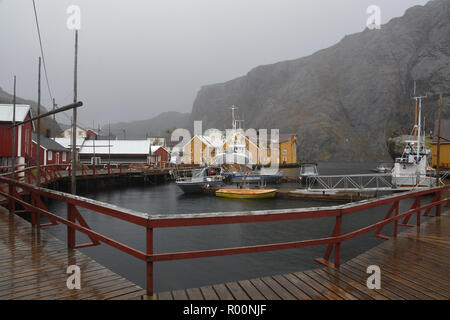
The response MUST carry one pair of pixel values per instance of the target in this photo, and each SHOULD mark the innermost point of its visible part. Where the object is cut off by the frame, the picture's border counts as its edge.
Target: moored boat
(246, 193)
(201, 179)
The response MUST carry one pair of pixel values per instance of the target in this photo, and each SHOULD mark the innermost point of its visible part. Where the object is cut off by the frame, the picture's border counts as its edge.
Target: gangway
(362, 182)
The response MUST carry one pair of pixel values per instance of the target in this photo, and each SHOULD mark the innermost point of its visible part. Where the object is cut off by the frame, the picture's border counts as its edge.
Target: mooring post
(149, 268)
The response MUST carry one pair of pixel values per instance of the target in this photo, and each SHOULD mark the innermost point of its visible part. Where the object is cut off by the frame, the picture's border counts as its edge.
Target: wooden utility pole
(109, 143)
(13, 154)
(54, 120)
(438, 157)
(38, 133)
(74, 124)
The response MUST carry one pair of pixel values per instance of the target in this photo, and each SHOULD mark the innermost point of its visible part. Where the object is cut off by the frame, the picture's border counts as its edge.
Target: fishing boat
(246, 175)
(201, 179)
(410, 170)
(246, 193)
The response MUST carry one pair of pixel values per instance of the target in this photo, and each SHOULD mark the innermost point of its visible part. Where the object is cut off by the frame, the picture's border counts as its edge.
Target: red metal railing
(150, 222)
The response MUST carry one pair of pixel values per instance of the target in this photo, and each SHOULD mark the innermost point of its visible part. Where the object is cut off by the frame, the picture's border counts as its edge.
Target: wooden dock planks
(33, 266)
(414, 266)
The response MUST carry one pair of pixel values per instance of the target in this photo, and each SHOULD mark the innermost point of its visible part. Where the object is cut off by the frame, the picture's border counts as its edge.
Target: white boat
(382, 168)
(201, 179)
(410, 170)
(307, 171)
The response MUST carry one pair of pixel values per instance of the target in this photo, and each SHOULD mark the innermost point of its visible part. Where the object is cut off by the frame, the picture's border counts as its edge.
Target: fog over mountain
(344, 102)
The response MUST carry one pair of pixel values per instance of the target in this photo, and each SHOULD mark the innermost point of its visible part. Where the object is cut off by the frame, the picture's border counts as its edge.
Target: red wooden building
(51, 152)
(159, 155)
(23, 134)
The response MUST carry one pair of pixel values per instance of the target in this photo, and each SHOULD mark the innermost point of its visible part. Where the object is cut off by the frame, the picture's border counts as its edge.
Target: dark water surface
(168, 199)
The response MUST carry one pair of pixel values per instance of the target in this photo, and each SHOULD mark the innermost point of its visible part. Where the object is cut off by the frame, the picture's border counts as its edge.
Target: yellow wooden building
(202, 149)
(444, 162)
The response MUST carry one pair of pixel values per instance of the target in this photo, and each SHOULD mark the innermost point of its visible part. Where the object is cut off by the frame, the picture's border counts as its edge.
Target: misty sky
(138, 58)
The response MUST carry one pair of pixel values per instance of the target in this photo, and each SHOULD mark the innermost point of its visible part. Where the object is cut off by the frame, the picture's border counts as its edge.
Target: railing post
(438, 207)
(149, 267)
(396, 221)
(70, 230)
(418, 212)
(11, 202)
(337, 246)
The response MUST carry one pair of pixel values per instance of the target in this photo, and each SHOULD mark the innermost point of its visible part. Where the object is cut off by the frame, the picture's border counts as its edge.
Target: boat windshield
(197, 173)
(309, 169)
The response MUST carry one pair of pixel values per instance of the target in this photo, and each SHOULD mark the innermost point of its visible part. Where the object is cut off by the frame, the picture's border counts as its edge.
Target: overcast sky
(138, 58)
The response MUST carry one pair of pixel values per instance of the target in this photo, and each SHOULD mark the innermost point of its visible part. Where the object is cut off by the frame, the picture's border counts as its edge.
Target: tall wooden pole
(109, 144)
(74, 124)
(38, 133)
(54, 120)
(438, 158)
(13, 154)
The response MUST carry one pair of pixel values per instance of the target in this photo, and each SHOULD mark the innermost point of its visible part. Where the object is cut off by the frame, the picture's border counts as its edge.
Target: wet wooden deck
(33, 265)
(415, 266)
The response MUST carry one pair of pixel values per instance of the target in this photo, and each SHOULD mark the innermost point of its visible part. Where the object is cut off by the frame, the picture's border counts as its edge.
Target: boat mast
(233, 117)
(415, 118)
(418, 127)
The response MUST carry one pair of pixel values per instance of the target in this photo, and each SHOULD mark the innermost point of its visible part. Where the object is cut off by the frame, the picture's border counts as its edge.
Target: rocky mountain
(46, 123)
(159, 126)
(346, 101)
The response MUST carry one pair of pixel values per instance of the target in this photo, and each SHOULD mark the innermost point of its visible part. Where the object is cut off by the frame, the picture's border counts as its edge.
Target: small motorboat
(382, 168)
(202, 179)
(308, 171)
(246, 193)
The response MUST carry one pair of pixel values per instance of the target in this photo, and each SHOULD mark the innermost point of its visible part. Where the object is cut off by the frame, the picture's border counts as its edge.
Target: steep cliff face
(344, 102)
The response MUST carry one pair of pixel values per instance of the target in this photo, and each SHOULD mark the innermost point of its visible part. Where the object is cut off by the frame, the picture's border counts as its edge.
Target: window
(50, 155)
(63, 156)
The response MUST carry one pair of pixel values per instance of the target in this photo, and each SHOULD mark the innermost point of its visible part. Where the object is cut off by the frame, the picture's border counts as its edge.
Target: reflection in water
(168, 199)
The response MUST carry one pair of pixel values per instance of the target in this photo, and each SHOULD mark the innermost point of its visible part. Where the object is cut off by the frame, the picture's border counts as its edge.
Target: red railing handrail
(152, 221)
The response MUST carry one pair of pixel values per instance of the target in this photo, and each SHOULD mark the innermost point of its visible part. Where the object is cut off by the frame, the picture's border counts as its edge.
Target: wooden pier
(33, 266)
(415, 266)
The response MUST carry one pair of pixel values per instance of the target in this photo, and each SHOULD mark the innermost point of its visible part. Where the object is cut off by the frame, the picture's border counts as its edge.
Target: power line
(42, 50)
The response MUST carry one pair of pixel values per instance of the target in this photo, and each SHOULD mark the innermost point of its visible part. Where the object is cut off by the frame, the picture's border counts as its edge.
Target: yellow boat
(246, 193)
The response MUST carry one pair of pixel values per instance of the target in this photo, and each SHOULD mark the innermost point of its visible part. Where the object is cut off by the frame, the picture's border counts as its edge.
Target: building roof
(67, 142)
(445, 131)
(156, 148)
(282, 137)
(49, 144)
(6, 112)
(116, 147)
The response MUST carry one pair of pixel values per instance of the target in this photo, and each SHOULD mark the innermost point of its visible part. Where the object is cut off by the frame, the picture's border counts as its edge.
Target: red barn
(51, 152)
(23, 134)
